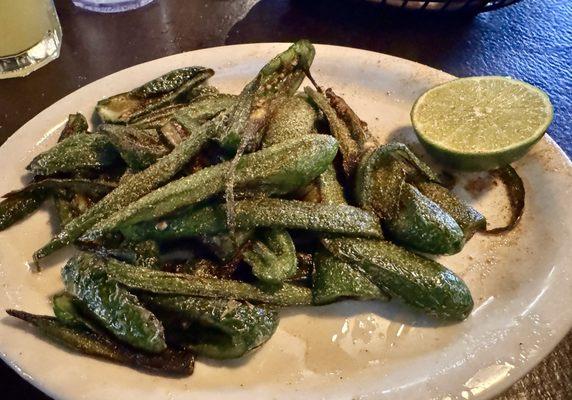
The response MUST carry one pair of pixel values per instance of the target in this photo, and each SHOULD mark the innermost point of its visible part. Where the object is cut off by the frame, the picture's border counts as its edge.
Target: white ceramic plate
(520, 282)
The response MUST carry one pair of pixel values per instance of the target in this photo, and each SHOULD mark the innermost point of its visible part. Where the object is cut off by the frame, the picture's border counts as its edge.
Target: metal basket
(469, 6)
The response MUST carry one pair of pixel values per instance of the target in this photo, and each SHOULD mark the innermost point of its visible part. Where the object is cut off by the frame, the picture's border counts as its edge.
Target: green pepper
(17, 206)
(280, 77)
(100, 346)
(78, 152)
(293, 117)
(469, 219)
(272, 257)
(112, 305)
(214, 328)
(65, 210)
(139, 148)
(275, 170)
(67, 310)
(161, 282)
(158, 93)
(130, 189)
(210, 219)
(424, 226)
(334, 280)
(410, 218)
(75, 185)
(382, 174)
(419, 281)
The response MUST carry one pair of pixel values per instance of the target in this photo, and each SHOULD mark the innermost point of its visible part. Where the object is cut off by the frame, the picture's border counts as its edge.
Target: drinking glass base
(24, 63)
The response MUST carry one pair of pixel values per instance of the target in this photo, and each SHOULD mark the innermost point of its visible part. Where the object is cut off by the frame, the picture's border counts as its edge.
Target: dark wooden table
(531, 41)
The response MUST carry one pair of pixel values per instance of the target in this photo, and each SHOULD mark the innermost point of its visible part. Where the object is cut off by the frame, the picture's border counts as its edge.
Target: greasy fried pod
(279, 78)
(94, 344)
(275, 170)
(349, 148)
(385, 184)
(272, 256)
(160, 282)
(130, 189)
(210, 219)
(419, 281)
(139, 148)
(19, 203)
(469, 219)
(18, 206)
(293, 117)
(76, 153)
(334, 279)
(117, 310)
(158, 93)
(214, 328)
(422, 225)
(357, 128)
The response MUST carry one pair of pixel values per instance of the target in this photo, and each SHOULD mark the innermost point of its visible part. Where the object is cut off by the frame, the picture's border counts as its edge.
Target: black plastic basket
(468, 6)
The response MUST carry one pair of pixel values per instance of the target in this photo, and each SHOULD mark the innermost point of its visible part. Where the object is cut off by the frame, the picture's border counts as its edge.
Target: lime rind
(493, 155)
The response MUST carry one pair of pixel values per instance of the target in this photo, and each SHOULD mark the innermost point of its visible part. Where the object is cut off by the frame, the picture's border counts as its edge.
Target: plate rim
(497, 389)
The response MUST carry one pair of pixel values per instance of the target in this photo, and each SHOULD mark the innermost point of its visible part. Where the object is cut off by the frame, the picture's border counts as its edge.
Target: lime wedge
(481, 123)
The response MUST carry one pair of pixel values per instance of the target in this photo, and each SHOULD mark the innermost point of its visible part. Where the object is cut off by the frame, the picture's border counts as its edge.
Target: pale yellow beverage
(30, 35)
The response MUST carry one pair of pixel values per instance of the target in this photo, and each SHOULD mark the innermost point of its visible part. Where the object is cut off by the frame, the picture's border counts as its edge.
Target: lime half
(481, 123)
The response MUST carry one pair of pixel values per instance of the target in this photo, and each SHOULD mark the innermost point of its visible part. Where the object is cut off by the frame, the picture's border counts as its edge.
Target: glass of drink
(30, 36)
(109, 6)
